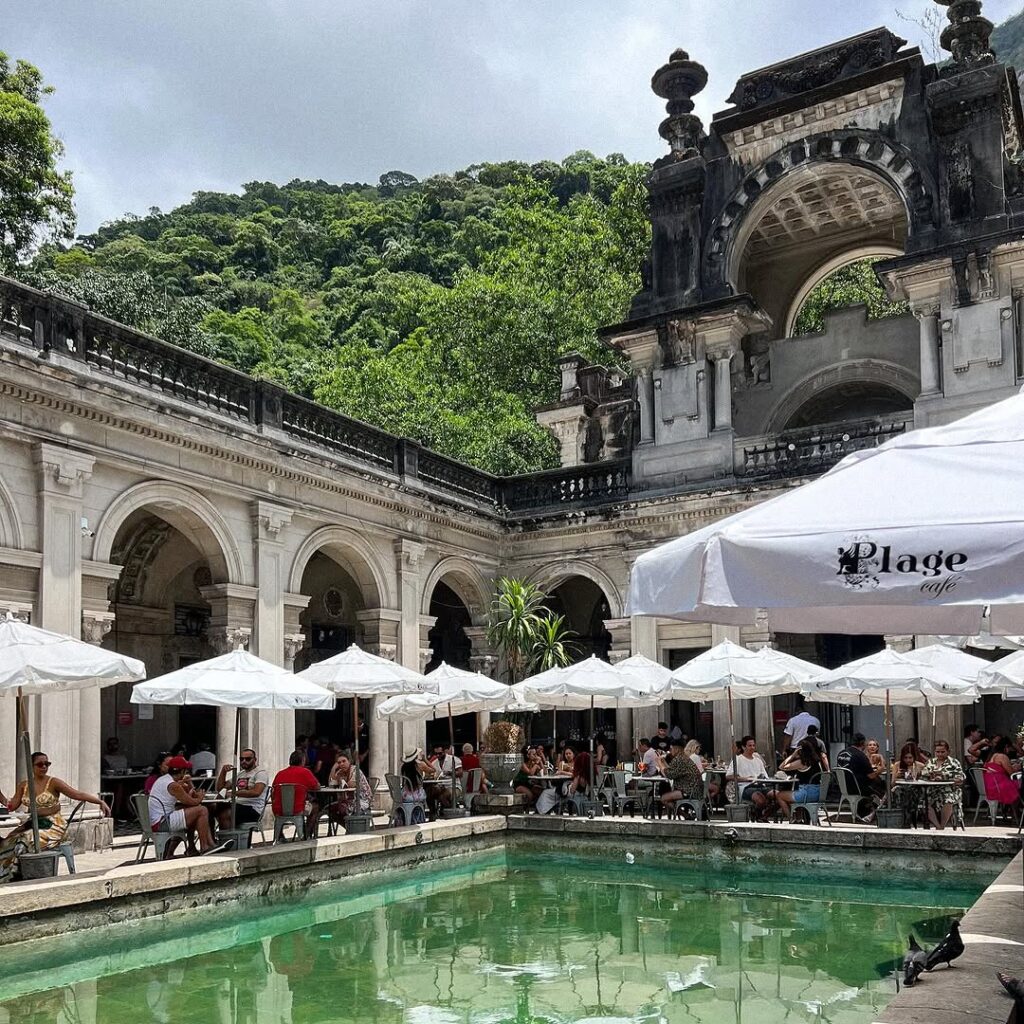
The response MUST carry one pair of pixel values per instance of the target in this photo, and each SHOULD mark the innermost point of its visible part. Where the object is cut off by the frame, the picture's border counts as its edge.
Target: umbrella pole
(30, 779)
(451, 743)
(238, 757)
(592, 766)
(355, 744)
(732, 741)
(890, 742)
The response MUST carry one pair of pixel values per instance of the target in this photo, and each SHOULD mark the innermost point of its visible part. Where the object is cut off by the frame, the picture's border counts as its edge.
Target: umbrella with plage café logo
(919, 535)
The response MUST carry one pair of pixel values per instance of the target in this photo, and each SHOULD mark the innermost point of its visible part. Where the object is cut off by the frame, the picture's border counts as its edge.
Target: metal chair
(160, 840)
(411, 812)
(298, 821)
(696, 804)
(992, 806)
(849, 793)
(815, 807)
(620, 796)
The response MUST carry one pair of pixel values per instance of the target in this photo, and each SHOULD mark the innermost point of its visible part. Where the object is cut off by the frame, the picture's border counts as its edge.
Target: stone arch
(867, 150)
(466, 580)
(831, 265)
(11, 534)
(859, 371)
(355, 555)
(548, 577)
(188, 511)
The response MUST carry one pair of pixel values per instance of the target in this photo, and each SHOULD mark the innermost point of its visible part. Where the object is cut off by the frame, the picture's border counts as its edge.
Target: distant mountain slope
(1008, 41)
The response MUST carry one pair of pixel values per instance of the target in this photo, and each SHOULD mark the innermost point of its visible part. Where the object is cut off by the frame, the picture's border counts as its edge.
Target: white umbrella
(355, 673)
(917, 535)
(236, 680)
(458, 693)
(728, 670)
(1004, 678)
(644, 670)
(950, 659)
(36, 661)
(589, 684)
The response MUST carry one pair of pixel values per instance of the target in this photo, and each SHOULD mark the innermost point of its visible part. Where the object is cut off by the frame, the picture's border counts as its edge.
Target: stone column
(62, 475)
(96, 625)
(380, 627)
(622, 638)
(231, 617)
(9, 753)
(644, 640)
(928, 319)
(723, 391)
(409, 563)
(274, 731)
(483, 658)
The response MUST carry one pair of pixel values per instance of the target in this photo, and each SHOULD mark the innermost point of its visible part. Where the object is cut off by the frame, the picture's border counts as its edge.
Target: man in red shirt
(305, 782)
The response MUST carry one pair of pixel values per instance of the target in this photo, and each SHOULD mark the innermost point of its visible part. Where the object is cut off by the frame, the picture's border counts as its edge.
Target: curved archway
(882, 169)
(465, 579)
(877, 379)
(188, 511)
(354, 554)
(550, 577)
(11, 535)
(830, 266)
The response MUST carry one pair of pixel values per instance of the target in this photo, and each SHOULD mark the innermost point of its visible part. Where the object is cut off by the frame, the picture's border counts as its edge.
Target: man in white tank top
(174, 806)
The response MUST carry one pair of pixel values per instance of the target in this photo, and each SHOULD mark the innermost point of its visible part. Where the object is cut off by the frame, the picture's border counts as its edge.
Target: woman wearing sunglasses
(52, 827)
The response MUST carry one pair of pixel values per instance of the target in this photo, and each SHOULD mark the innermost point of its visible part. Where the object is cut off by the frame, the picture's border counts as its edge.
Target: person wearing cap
(175, 806)
(684, 780)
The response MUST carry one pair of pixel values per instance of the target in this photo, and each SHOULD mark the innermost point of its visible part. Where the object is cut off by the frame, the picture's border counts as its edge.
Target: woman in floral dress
(945, 803)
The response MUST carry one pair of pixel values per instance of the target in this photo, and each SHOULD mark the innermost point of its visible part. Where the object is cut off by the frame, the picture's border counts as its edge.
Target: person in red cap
(174, 805)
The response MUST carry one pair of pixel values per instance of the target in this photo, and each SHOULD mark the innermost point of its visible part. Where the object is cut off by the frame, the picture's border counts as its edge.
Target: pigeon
(913, 962)
(947, 950)
(1015, 988)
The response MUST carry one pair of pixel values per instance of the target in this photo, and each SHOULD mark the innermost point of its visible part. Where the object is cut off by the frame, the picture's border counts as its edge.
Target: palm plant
(551, 646)
(513, 623)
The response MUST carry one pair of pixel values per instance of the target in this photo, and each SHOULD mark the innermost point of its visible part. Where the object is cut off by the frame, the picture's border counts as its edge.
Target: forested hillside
(436, 309)
(1008, 41)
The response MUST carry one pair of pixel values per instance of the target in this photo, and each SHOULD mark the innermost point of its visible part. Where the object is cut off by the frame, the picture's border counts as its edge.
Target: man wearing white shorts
(175, 806)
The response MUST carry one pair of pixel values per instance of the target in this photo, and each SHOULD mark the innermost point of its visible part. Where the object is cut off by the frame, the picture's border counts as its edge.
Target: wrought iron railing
(811, 450)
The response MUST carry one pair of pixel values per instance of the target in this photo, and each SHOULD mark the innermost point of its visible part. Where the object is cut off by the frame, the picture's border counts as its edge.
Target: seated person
(745, 769)
(945, 803)
(812, 731)
(471, 762)
(249, 789)
(175, 806)
(693, 752)
(522, 781)
(684, 778)
(647, 758)
(160, 767)
(565, 763)
(344, 774)
(204, 761)
(874, 752)
(305, 783)
(907, 769)
(806, 763)
(999, 786)
(113, 759)
(866, 778)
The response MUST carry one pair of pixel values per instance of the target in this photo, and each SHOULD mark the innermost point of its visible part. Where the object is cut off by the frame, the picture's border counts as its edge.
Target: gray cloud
(158, 98)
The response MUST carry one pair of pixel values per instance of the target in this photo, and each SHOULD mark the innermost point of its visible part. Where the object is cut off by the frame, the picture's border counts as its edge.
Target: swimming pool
(521, 935)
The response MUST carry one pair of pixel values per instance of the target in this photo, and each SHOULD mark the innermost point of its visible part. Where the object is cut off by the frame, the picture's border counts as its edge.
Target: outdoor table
(123, 785)
(924, 784)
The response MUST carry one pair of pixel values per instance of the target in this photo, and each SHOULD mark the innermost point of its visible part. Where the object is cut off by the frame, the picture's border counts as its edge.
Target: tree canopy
(35, 196)
(436, 309)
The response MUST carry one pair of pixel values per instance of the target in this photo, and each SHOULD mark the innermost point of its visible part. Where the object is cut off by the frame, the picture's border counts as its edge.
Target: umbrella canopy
(458, 693)
(728, 669)
(236, 680)
(889, 677)
(589, 684)
(37, 661)
(645, 670)
(356, 673)
(1004, 677)
(952, 660)
(917, 535)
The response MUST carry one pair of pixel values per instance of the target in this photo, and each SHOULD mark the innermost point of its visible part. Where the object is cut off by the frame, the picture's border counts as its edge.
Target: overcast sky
(159, 98)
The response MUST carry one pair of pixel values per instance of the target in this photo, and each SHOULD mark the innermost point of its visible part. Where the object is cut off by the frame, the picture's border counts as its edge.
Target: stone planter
(890, 817)
(39, 865)
(500, 769)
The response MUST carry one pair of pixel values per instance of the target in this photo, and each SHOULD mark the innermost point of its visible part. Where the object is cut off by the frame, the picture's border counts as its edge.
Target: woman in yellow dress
(52, 826)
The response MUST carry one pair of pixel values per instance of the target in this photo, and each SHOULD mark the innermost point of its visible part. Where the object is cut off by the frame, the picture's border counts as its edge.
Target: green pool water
(516, 936)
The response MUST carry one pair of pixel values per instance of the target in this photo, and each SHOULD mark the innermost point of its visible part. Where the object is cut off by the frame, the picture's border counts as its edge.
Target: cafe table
(924, 785)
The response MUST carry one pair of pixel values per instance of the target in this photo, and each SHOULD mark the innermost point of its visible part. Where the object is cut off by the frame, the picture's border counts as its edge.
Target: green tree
(35, 197)
(551, 647)
(513, 623)
(852, 285)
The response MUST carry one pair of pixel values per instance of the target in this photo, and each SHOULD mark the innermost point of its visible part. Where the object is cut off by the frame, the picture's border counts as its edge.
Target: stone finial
(679, 81)
(967, 34)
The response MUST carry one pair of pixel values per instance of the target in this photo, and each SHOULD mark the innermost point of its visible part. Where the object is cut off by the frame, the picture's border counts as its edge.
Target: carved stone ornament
(813, 70)
(293, 643)
(96, 625)
(679, 342)
(967, 34)
(229, 639)
(679, 81)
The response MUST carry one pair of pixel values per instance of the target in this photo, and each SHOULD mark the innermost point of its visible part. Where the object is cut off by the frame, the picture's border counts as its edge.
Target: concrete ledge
(133, 891)
(993, 932)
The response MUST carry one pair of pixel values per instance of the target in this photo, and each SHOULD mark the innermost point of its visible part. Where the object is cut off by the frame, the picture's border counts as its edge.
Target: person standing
(796, 727)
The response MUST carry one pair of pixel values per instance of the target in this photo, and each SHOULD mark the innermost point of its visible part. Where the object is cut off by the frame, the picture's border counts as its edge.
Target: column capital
(409, 554)
(62, 470)
(96, 625)
(21, 612)
(226, 639)
(269, 520)
(293, 643)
